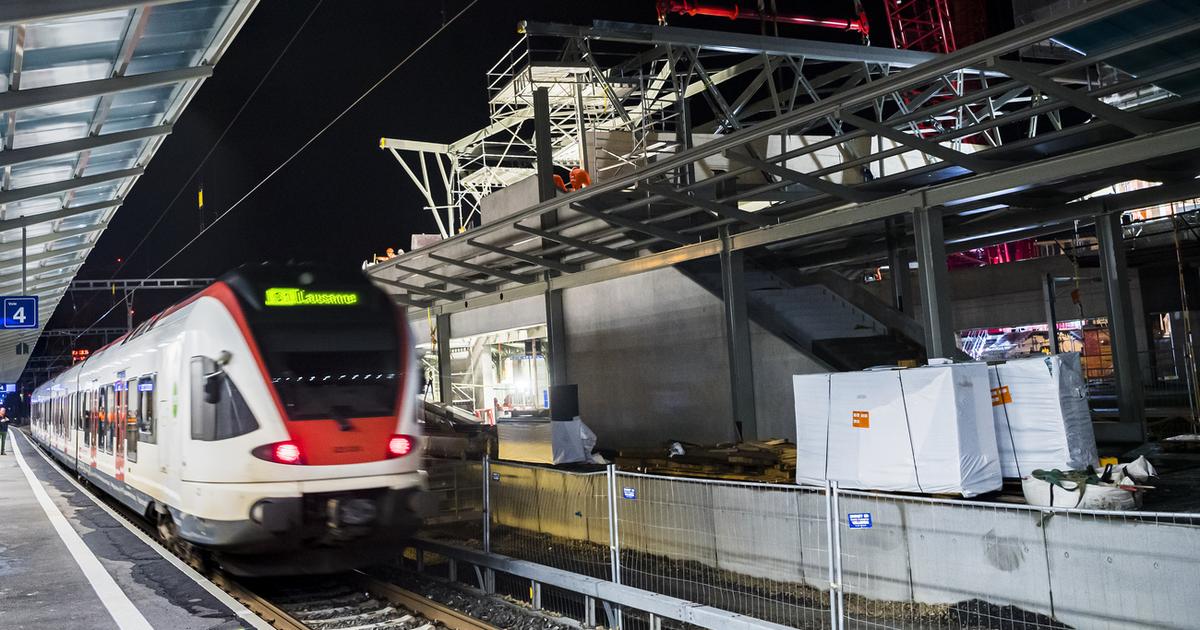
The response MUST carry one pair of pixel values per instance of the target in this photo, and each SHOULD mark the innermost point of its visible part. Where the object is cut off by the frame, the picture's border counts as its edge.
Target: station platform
(68, 562)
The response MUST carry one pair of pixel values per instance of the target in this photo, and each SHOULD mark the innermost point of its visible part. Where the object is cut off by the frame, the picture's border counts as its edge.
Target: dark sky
(342, 198)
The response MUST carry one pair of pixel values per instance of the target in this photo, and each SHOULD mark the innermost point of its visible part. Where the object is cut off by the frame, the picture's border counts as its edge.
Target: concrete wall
(648, 354)
(1085, 570)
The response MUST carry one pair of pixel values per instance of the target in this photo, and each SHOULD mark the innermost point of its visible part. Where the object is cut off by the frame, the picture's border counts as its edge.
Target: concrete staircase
(823, 315)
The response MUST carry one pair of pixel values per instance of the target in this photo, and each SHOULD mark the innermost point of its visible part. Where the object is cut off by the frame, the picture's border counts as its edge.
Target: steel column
(737, 338)
(936, 314)
(1051, 315)
(1120, 321)
(555, 332)
(898, 264)
(445, 376)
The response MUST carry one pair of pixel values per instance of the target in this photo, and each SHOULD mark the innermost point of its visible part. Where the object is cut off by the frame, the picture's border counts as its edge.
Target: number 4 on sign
(20, 312)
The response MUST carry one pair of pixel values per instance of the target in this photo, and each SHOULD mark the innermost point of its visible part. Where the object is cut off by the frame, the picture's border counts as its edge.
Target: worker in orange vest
(579, 180)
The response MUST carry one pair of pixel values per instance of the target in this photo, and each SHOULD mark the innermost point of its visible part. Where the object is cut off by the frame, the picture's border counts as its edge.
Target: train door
(120, 395)
(93, 420)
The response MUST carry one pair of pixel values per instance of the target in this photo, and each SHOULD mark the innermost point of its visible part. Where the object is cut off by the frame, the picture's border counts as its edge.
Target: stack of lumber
(772, 461)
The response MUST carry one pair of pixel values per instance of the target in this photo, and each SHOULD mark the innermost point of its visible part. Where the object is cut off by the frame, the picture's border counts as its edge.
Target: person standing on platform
(4, 420)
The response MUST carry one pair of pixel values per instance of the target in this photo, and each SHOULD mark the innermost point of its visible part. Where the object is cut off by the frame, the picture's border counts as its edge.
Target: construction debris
(771, 461)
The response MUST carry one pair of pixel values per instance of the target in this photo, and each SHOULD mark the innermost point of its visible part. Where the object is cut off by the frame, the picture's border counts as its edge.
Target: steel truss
(624, 95)
(979, 137)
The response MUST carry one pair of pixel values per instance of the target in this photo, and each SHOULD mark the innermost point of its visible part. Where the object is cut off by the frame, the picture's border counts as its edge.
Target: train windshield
(329, 338)
(333, 371)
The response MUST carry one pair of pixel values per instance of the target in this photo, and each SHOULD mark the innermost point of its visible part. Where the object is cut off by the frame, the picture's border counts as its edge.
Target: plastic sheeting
(1041, 413)
(926, 430)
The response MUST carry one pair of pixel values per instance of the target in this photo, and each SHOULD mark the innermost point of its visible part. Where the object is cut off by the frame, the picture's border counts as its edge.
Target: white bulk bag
(925, 430)
(1041, 413)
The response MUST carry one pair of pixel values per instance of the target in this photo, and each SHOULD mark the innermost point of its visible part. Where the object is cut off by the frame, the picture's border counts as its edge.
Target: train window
(218, 409)
(110, 414)
(102, 409)
(131, 420)
(335, 370)
(147, 426)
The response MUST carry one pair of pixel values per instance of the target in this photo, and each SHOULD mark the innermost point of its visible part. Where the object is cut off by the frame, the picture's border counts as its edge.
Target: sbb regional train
(267, 420)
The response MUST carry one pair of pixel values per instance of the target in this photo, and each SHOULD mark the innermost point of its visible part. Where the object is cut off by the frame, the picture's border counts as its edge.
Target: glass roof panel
(88, 47)
(177, 34)
(82, 220)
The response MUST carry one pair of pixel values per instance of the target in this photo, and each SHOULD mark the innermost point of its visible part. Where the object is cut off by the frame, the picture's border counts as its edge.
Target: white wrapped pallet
(925, 430)
(1041, 413)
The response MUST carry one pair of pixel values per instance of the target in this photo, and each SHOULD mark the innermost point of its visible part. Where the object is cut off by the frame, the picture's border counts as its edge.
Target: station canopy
(89, 89)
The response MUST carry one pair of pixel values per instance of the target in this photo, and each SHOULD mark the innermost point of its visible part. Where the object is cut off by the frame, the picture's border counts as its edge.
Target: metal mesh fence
(458, 486)
(755, 549)
(772, 552)
(917, 562)
(551, 517)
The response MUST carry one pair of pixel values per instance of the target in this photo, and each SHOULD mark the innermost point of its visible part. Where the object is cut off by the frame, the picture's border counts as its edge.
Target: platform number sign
(859, 520)
(20, 312)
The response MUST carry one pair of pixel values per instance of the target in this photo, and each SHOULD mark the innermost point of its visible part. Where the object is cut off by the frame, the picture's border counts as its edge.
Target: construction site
(831, 315)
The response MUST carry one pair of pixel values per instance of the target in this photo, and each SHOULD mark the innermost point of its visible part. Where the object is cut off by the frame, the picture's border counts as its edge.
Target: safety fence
(821, 557)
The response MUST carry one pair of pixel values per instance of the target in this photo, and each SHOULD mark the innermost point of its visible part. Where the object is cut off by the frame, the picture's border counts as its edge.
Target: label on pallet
(859, 520)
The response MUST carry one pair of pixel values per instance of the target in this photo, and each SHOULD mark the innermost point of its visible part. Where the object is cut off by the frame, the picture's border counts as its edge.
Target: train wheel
(194, 556)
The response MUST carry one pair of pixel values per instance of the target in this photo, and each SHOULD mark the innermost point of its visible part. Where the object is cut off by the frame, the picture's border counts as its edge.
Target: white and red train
(268, 419)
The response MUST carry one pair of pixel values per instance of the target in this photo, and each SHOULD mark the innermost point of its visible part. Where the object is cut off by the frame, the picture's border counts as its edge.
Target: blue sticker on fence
(495, 476)
(629, 493)
(859, 520)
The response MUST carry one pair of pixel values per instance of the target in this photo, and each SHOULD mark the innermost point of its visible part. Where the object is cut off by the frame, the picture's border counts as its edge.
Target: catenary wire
(291, 157)
(162, 215)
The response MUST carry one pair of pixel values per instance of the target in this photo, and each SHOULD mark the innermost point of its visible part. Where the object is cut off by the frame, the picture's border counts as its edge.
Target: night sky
(343, 198)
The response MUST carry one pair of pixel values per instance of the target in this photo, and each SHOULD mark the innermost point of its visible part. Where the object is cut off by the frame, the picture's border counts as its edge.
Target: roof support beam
(920, 144)
(727, 211)
(495, 273)
(15, 245)
(670, 236)
(804, 179)
(407, 301)
(545, 263)
(466, 284)
(1128, 121)
(412, 288)
(49, 95)
(32, 192)
(54, 215)
(607, 252)
(15, 277)
(38, 152)
(16, 11)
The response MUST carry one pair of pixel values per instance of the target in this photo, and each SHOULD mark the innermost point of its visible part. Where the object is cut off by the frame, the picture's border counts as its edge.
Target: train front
(303, 451)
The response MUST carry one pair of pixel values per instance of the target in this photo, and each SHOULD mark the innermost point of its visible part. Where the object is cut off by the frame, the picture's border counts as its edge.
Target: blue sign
(20, 312)
(8, 388)
(146, 386)
(859, 520)
(495, 476)
(629, 493)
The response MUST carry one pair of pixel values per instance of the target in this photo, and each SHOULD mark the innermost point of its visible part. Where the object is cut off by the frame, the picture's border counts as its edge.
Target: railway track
(352, 601)
(348, 601)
